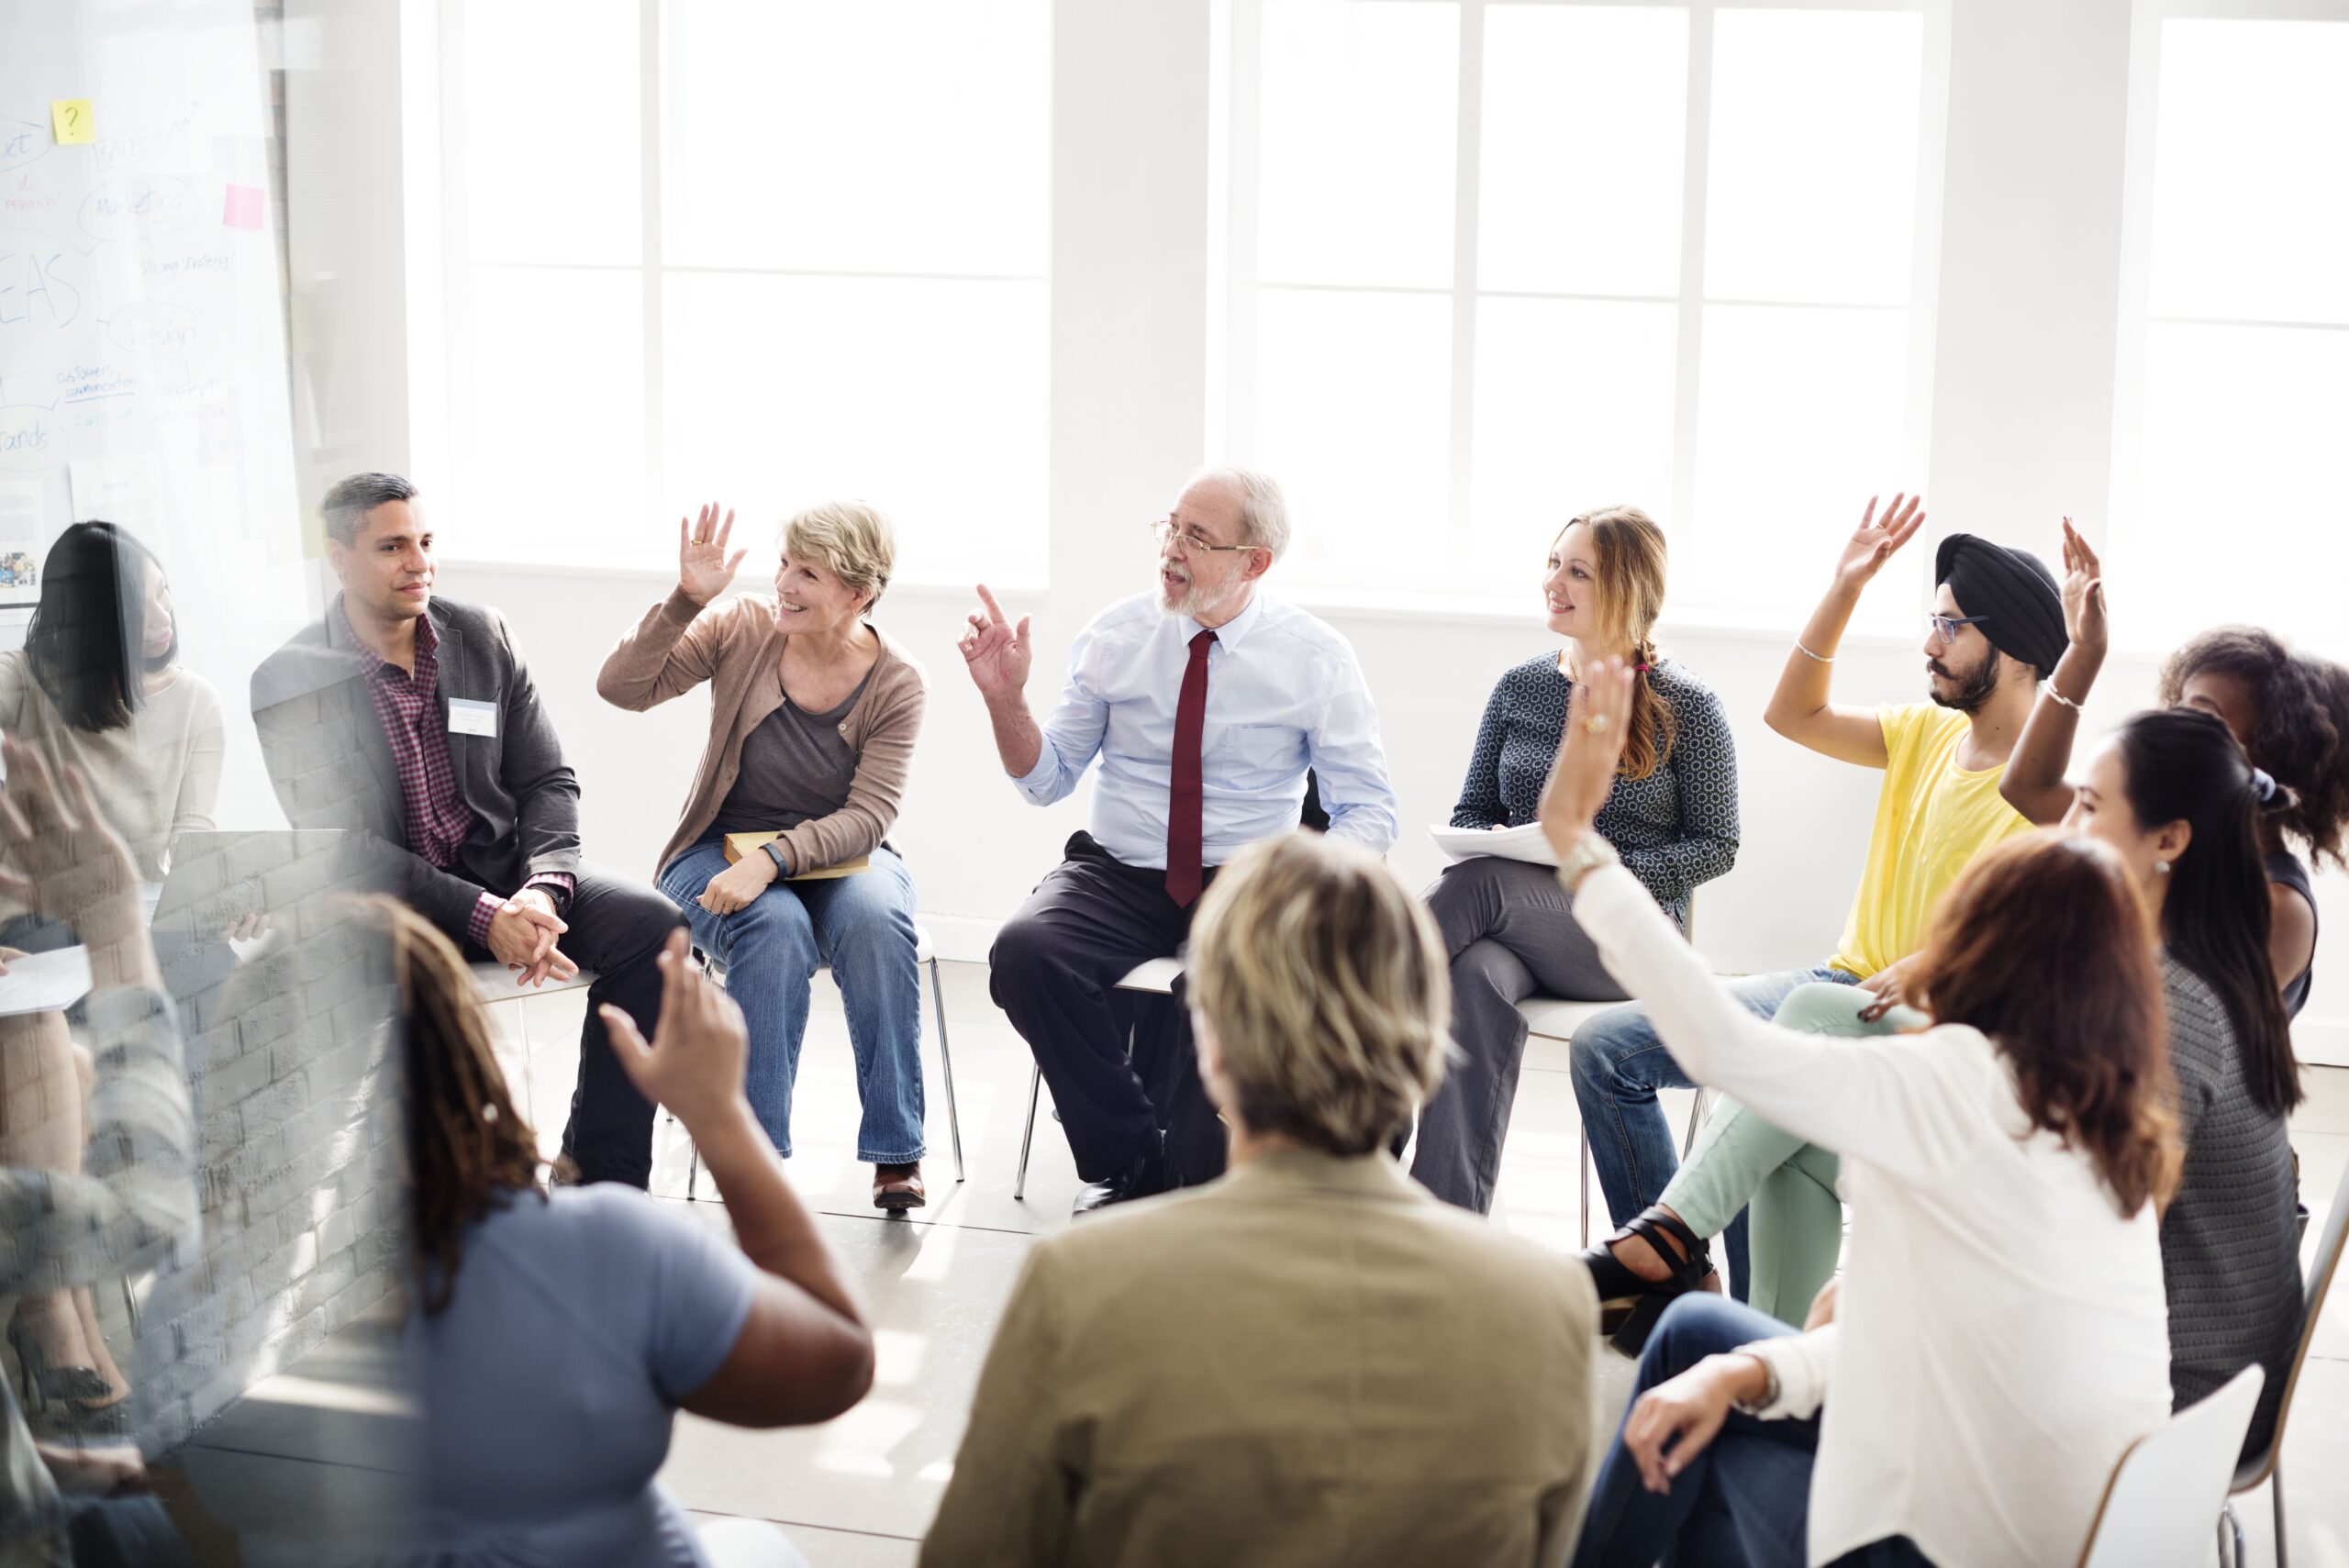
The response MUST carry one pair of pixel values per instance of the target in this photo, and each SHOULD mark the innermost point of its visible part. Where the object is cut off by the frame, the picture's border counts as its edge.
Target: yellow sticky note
(71, 119)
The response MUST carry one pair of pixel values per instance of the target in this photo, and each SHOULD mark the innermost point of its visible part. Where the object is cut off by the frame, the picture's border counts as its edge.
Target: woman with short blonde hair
(1297, 1361)
(813, 715)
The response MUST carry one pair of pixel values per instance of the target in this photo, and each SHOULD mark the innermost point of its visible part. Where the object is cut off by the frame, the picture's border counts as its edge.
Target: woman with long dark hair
(556, 1331)
(1999, 1340)
(2172, 793)
(97, 689)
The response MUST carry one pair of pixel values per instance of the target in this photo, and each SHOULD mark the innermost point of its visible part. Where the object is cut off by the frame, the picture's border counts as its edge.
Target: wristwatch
(1586, 857)
(772, 850)
(1769, 1394)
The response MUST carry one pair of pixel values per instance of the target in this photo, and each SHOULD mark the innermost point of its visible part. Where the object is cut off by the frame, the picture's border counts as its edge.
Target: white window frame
(441, 401)
(1233, 327)
(2137, 316)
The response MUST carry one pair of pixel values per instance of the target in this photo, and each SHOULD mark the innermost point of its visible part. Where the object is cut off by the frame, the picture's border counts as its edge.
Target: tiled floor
(307, 1451)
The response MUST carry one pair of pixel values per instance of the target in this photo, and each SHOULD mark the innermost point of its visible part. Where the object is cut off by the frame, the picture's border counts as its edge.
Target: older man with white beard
(1207, 703)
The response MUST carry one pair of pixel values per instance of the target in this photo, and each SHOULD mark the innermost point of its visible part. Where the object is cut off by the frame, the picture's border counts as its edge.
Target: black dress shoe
(1145, 1177)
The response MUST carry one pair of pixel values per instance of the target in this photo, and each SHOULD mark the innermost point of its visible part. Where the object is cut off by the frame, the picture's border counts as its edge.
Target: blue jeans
(863, 926)
(1746, 1499)
(1619, 1064)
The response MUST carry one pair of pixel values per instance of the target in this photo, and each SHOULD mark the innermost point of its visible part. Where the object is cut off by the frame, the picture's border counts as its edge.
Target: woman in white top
(2001, 1335)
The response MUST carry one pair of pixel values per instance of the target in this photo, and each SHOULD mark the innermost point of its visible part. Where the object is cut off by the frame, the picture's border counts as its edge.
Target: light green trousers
(1740, 1161)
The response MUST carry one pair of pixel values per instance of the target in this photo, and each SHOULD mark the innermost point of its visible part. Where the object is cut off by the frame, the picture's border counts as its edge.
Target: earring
(2161, 867)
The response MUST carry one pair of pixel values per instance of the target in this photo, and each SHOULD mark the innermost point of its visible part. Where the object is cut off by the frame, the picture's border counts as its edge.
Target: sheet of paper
(45, 981)
(1524, 843)
(20, 540)
(242, 207)
(740, 844)
(118, 489)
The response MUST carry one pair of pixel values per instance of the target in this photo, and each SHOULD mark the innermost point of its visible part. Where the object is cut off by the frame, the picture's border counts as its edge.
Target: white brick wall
(296, 1097)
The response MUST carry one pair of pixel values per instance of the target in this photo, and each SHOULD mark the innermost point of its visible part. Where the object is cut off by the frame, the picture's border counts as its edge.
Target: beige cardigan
(735, 646)
(1308, 1361)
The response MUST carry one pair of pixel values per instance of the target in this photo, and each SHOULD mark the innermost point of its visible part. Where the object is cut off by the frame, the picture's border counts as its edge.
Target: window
(1495, 261)
(2234, 386)
(768, 251)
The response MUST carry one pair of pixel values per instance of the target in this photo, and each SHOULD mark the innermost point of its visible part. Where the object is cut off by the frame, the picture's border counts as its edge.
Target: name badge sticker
(467, 716)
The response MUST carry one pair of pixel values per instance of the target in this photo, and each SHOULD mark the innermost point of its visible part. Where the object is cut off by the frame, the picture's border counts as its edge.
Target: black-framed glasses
(1946, 626)
(1192, 539)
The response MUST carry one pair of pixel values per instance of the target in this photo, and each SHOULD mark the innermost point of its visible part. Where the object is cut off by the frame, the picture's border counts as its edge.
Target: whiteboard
(143, 370)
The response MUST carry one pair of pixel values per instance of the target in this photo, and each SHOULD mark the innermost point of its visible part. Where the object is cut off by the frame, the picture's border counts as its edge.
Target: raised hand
(71, 866)
(2084, 619)
(704, 567)
(695, 1063)
(999, 655)
(1873, 542)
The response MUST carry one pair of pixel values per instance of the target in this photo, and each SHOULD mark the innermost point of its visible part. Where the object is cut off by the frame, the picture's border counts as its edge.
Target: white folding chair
(1157, 975)
(925, 956)
(497, 987)
(2267, 1465)
(1547, 1017)
(2159, 1500)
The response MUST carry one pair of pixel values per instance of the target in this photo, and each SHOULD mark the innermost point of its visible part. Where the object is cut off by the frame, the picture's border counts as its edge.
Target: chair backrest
(2255, 1467)
(2170, 1483)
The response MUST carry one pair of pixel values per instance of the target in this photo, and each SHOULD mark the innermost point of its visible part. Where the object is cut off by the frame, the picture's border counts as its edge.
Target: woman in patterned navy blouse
(1509, 928)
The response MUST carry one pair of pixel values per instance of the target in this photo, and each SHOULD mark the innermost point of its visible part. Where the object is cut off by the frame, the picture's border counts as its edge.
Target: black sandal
(1629, 1305)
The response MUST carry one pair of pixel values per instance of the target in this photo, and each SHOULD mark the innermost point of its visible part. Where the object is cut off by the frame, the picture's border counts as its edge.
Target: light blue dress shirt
(1284, 694)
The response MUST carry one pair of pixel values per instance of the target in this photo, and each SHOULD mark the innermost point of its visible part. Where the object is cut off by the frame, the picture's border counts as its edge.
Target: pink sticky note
(243, 207)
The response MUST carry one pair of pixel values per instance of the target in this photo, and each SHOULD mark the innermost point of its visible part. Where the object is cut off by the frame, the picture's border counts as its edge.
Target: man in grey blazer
(412, 722)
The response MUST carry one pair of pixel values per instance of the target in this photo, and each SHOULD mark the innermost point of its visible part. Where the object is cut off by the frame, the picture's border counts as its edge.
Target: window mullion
(1465, 195)
(1689, 340)
(651, 66)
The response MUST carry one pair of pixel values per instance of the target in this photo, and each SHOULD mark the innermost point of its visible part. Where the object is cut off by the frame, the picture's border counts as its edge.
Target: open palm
(704, 566)
(1874, 541)
(2084, 620)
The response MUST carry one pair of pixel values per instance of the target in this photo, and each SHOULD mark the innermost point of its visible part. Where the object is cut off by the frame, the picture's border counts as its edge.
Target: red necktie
(1186, 810)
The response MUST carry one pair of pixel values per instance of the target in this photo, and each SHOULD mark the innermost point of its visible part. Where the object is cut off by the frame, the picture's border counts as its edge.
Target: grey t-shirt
(796, 766)
(550, 1383)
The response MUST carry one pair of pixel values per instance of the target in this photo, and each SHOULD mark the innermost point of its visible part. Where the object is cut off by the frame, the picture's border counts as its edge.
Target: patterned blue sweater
(1675, 828)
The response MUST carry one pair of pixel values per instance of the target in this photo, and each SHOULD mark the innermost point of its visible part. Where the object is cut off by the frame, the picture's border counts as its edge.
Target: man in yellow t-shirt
(1995, 632)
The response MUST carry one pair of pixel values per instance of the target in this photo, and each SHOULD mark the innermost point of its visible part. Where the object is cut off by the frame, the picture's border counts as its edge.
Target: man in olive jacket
(412, 723)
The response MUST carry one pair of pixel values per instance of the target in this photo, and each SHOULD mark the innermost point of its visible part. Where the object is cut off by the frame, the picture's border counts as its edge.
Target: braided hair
(469, 1152)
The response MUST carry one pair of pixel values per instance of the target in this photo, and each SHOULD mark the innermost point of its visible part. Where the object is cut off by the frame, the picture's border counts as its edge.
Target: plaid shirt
(438, 820)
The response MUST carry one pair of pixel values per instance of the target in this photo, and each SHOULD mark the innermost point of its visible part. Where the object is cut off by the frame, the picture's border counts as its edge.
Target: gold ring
(1595, 723)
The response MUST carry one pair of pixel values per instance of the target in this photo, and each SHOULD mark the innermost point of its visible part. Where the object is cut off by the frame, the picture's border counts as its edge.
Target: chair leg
(693, 1166)
(2276, 1489)
(946, 1060)
(1583, 1145)
(130, 1305)
(1695, 1120)
(1028, 1134)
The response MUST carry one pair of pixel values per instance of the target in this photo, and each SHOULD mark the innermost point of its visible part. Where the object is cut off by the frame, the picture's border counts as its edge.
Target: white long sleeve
(1802, 1363)
(1916, 1105)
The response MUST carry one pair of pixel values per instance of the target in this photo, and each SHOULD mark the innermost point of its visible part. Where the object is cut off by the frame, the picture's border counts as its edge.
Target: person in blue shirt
(1207, 703)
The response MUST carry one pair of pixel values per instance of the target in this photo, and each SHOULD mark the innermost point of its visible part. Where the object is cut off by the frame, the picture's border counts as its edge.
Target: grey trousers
(1509, 932)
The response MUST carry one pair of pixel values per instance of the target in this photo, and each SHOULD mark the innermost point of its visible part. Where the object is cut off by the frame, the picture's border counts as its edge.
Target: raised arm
(1801, 707)
(804, 1352)
(1893, 1102)
(999, 656)
(2033, 782)
(674, 647)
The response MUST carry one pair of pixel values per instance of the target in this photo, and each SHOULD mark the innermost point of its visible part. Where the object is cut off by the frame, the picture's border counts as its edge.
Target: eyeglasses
(1192, 539)
(1946, 626)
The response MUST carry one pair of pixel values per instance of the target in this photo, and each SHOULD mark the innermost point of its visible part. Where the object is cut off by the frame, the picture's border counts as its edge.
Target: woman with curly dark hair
(2290, 712)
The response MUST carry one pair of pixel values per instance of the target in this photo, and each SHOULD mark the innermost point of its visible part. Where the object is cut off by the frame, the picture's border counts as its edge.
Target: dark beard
(1969, 697)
